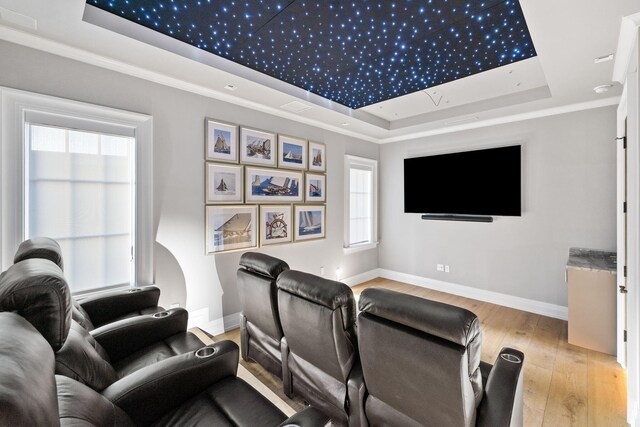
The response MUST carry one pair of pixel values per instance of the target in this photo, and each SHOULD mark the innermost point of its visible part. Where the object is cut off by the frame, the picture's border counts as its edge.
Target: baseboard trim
(231, 321)
(361, 278)
(524, 304)
(213, 328)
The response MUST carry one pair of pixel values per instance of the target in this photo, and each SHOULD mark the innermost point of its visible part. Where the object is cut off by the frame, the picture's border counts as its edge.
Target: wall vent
(295, 107)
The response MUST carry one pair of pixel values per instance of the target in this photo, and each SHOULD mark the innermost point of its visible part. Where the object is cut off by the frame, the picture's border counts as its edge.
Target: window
(78, 191)
(81, 174)
(360, 203)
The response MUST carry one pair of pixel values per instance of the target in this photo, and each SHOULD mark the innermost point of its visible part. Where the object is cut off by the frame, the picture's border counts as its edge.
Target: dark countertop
(592, 259)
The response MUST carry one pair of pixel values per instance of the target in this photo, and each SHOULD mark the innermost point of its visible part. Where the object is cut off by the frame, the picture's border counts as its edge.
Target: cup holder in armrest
(205, 352)
(510, 358)
(161, 314)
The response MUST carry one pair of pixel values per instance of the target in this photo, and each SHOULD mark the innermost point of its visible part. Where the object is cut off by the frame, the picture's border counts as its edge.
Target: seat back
(261, 329)
(318, 321)
(37, 290)
(420, 360)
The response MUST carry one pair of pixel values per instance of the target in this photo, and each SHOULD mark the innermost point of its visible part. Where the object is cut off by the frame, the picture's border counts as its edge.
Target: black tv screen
(480, 182)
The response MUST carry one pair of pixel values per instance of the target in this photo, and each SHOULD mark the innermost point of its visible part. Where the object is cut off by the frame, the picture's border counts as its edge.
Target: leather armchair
(260, 330)
(421, 364)
(198, 387)
(97, 310)
(36, 289)
(319, 348)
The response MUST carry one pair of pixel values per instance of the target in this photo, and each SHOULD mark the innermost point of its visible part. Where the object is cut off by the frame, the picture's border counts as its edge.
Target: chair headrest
(40, 247)
(37, 290)
(445, 321)
(27, 382)
(263, 264)
(328, 293)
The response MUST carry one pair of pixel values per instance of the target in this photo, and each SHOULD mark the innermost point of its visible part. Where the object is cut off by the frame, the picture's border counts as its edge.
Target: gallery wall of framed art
(261, 188)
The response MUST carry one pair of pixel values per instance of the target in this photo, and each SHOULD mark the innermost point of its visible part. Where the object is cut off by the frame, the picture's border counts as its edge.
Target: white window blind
(361, 201)
(79, 190)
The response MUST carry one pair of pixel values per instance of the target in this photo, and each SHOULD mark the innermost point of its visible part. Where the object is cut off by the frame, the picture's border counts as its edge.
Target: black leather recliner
(198, 388)
(260, 330)
(36, 289)
(421, 363)
(319, 349)
(97, 310)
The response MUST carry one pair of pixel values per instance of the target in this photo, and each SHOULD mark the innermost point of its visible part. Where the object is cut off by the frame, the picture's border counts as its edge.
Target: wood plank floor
(565, 385)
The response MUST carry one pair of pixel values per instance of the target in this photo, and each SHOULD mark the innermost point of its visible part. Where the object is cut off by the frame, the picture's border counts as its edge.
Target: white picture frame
(317, 157)
(309, 222)
(292, 152)
(223, 183)
(315, 188)
(221, 141)
(231, 228)
(263, 185)
(276, 224)
(258, 147)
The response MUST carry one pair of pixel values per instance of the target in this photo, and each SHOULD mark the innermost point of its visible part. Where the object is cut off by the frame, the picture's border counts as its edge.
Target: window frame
(368, 164)
(15, 106)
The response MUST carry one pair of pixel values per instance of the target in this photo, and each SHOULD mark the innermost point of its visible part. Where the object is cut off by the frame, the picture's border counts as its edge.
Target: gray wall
(569, 194)
(185, 274)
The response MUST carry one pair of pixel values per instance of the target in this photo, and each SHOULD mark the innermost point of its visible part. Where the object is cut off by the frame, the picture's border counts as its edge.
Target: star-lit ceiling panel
(355, 53)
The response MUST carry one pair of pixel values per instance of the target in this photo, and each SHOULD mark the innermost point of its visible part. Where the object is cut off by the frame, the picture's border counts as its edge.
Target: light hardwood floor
(565, 385)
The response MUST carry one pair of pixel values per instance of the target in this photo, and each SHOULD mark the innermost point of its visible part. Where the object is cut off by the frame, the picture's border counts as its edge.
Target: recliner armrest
(127, 336)
(111, 305)
(502, 403)
(308, 417)
(150, 392)
(356, 392)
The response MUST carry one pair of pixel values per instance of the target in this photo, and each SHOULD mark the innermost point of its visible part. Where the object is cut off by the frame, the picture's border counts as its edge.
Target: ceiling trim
(60, 49)
(626, 40)
(508, 119)
(66, 51)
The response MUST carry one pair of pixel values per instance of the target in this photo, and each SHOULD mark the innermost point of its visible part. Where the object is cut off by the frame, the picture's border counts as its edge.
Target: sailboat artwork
(258, 147)
(222, 145)
(231, 228)
(315, 188)
(225, 183)
(272, 185)
(221, 141)
(292, 153)
(317, 157)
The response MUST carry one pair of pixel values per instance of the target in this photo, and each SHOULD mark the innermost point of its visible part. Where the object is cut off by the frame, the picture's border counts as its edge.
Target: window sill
(359, 247)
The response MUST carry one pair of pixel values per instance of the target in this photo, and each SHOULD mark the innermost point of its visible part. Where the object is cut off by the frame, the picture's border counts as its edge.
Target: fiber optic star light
(355, 53)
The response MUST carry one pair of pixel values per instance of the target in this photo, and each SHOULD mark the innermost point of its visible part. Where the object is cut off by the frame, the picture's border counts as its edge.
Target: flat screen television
(480, 182)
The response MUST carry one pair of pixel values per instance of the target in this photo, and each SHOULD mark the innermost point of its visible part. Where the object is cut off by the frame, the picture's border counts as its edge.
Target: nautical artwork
(309, 222)
(317, 157)
(224, 183)
(315, 188)
(273, 185)
(257, 147)
(231, 227)
(222, 141)
(293, 152)
(276, 224)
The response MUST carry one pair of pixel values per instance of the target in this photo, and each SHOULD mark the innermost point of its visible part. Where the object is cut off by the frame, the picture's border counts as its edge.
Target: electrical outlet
(322, 271)
(446, 269)
(440, 267)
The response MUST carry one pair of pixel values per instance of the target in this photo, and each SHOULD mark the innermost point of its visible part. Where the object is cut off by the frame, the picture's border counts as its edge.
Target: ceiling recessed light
(231, 87)
(602, 88)
(605, 58)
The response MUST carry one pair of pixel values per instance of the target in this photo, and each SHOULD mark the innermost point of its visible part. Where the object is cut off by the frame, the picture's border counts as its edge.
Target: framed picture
(257, 147)
(276, 224)
(292, 152)
(309, 222)
(315, 187)
(231, 228)
(272, 185)
(222, 141)
(223, 183)
(317, 157)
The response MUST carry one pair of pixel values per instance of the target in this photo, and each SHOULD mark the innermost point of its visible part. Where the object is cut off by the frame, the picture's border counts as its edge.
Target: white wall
(183, 271)
(569, 194)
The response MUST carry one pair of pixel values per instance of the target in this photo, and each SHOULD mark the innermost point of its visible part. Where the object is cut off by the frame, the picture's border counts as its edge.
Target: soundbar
(452, 217)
